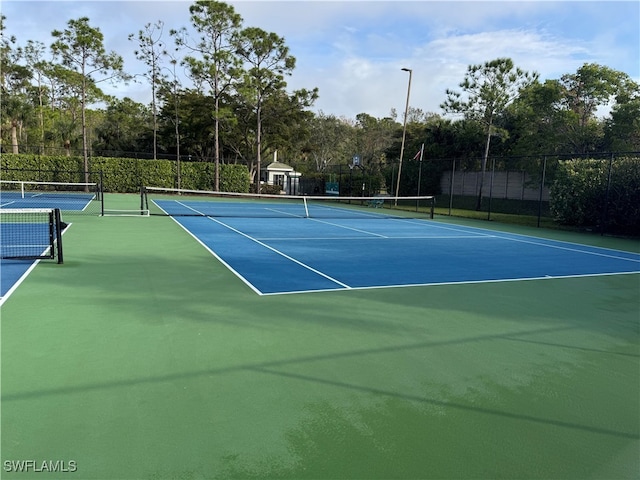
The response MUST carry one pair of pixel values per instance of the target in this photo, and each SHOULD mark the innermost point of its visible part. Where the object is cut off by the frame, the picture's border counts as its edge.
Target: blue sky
(353, 51)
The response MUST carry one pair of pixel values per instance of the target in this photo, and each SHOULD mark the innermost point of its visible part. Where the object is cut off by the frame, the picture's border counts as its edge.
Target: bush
(124, 175)
(586, 194)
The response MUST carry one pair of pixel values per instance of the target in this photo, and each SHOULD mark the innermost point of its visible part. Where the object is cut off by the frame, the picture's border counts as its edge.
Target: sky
(354, 51)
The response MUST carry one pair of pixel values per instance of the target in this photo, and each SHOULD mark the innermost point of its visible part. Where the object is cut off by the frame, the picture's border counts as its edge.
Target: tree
(329, 141)
(168, 91)
(591, 87)
(488, 89)
(535, 119)
(124, 129)
(65, 104)
(33, 53)
(196, 128)
(622, 130)
(14, 83)
(267, 60)
(150, 52)
(80, 48)
(215, 63)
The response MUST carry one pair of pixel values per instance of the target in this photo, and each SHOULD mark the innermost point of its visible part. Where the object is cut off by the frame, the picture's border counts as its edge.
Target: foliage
(212, 61)
(328, 144)
(598, 194)
(266, 60)
(230, 104)
(622, 130)
(123, 175)
(150, 52)
(124, 128)
(488, 89)
(80, 49)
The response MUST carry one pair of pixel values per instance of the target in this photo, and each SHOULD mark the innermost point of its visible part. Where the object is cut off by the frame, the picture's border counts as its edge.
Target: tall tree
(536, 120)
(124, 129)
(150, 51)
(591, 87)
(196, 128)
(33, 54)
(487, 90)
(329, 142)
(81, 49)
(267, 61)
(169, 93)
(14, 83)
(622, 129)
(213, 61)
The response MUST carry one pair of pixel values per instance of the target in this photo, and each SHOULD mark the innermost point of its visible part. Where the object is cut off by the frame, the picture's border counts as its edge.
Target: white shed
(283, 175)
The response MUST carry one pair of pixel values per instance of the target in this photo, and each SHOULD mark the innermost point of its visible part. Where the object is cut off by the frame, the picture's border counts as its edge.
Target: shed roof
(279, 166)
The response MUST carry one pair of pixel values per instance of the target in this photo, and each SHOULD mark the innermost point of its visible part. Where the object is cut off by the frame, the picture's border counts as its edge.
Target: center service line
(282, 254)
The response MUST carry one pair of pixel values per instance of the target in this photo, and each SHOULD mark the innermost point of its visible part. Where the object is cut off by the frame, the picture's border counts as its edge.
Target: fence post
(453, 171)
(605, 208)
(493, 173)
(544, 171)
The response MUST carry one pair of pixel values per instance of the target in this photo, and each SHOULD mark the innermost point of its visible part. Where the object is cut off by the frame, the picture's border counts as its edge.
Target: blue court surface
(11, 274)
(295, 255)
(70, 201)
(20, 238)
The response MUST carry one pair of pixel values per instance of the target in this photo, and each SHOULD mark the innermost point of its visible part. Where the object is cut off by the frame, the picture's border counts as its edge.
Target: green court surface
(143, 357)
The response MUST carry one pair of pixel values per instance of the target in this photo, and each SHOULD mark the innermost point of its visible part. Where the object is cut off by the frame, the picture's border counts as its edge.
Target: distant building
(285, 176)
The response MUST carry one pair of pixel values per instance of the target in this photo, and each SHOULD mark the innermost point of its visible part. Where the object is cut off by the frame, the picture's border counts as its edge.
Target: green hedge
(124, 175)
(582, 194)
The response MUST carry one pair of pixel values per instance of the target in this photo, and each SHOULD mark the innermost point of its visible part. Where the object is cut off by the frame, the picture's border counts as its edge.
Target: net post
(101, 193)
(22, 189)
(58, 227)
(142, 198)
(433, 207)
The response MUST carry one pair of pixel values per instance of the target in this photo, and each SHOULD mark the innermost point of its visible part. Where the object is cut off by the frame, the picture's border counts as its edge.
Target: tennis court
(27, 236)
(335, 249)
(63, 195)
(144, 356)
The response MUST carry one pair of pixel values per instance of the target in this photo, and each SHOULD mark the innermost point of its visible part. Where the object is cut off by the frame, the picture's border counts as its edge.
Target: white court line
(317, 272)
(571, 249)
(220, 259)
(461, 282)
(298, 262)
(24, 276)
(475, 233)
(349, 228)
(541, 242)
(18, 282)
(412, 237)
(288, 214)
(427, 223)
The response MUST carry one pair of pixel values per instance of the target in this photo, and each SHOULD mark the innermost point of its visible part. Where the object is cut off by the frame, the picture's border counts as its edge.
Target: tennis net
(68, 196)
(31, 233)
(182, 202)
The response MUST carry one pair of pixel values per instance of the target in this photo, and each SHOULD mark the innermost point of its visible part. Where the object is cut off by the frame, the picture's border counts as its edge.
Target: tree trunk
(259, 142)
(216, 181)
(85, 150)
(484, 168)
(14, 136)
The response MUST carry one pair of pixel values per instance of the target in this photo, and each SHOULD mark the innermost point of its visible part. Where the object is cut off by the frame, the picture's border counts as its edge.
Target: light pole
(404, 133)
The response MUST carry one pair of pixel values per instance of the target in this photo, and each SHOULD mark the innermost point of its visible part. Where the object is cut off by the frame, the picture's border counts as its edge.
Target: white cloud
(354, 50)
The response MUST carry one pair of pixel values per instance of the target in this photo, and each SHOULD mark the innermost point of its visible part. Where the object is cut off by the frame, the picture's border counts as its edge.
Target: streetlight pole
(404, 133)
